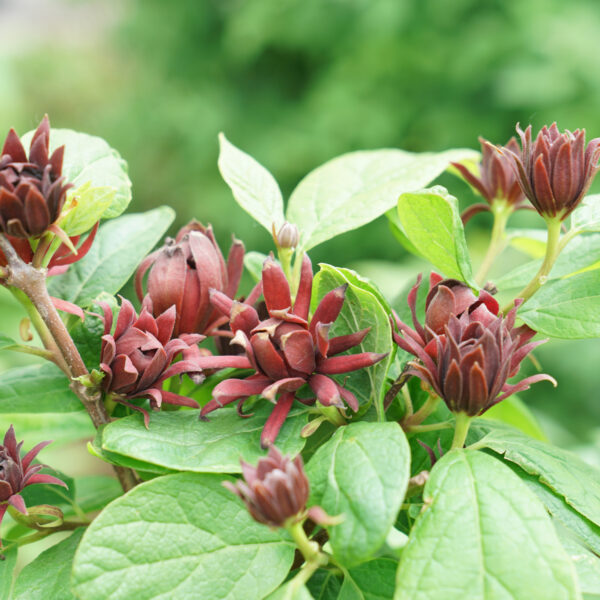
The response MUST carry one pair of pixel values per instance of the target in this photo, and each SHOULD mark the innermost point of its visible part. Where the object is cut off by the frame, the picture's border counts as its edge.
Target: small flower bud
(288, 236)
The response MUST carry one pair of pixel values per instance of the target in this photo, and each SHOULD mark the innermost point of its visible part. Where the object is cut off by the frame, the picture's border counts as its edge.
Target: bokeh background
(297, 82)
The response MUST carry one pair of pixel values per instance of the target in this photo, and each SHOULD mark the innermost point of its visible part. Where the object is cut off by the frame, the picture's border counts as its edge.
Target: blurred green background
(297, 82)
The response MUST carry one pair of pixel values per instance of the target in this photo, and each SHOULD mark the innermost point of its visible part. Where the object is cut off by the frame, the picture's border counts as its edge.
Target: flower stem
(429, 427)
(417, 418)
(332, 414)
(553, 248)
(311, 552)
(501, 211)
(461, 428)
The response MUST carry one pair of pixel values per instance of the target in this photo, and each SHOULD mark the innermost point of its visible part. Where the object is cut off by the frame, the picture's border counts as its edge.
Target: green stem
(310, 551)
(332, 414)
(417, 418)
(553, 248)
(501, 211)
(41, 352)
(463, 421)
(296, 272)
(430, 427)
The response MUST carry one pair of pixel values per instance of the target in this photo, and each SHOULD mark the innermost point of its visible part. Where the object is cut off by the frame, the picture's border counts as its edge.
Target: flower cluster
(16, 473)
(138, 356)
(286, 350)
(556, 170)
(467, 351)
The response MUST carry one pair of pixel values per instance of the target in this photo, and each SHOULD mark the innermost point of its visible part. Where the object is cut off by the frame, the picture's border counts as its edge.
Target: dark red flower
(468, 358)
(275, 492)
(17, 473)
(138, 357)
(181, 274)
(497, 180)
(556, 170)
(32, 190)
(286, 350)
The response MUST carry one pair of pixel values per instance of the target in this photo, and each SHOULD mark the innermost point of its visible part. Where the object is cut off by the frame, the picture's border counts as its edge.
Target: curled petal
(276, 419)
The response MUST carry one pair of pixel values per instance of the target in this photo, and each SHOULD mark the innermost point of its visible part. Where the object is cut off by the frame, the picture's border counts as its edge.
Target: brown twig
(32, 282)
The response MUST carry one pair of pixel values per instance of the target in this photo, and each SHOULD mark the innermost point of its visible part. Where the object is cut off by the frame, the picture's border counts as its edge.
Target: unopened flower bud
(288, 236)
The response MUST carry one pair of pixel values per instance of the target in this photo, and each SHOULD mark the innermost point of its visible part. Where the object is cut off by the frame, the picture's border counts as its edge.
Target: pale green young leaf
(84, 207)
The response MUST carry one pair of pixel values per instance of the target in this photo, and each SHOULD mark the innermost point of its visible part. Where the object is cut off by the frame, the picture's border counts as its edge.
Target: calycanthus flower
(286, 350)
(556, 170)
(181, 274)
(469, 356)
(138, 357)
(497, 181)
(32, 189)
(16, 473)
(276, 490)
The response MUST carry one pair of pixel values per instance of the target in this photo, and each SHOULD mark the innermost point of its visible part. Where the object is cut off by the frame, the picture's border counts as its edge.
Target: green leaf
(362, 474)
(116, 253)
(515, 412)
(253, 187)
(483, 536)
(324, 585)
(37, 389)
(93, 492)
(86, 205)
(90, 159)
(566, 308)
(290, 591)
(355, 188)
(586, 564)
(35, 428)
(48, 575)
(180, 442)
(586, 531)
(565, 473)
(7, 566)
(179, 536)
(361, 309)
(6, 342)
(373, 580)
(586, 217)
(529, 241)
(430, 220)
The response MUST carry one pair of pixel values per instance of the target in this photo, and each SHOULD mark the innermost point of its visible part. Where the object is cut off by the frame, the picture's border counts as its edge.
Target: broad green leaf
(90, 159)
(93, 492)
(482, 536)
(37, 389)
(566, 308)
(373, 580)
(398, 231)
(430, 220)
(587, 565)
(362, 474)
(48, 576)
(365, 284)
(515, 412)
(582, 253)
(7, 566)
(324, 585)
(6, 342)
(563, 472)
(586, 217)
(35, 428)
(179, 536)
(253, 187)
(529, 241)
(116, 253)
(361, 309)
(84, 207)
(291, 591)
(586, 531)
(181, 442)
(253, 261)
(355, 188)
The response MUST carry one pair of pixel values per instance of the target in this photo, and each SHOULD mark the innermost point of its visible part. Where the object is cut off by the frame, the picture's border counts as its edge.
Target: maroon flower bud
(275, 490)
(468, 361)
(138, 357)
(556, 170)
(497, 179)
(32, 190)
(17, 473)
(287, 237)
(286, 350)
(181, 274)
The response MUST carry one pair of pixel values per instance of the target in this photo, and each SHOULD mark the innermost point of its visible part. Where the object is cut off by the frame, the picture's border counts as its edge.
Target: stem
(32, 283)
(391, 394)
(40, 251)
(296, 271)
(553, 248)
(310, 551)
(501, 211)
(417, 418)
(41, 352)
(430, 427)
(332, 414)
(463, 421)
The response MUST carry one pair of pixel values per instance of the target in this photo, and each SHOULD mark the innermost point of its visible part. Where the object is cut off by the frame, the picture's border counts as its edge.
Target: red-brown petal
(276, 418)
(302, 304)
(349, 362)
(276, 288)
